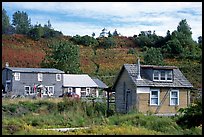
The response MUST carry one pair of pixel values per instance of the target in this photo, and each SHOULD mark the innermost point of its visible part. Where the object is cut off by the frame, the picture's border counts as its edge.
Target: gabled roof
(78, 80)
(179, 80)
(36, 70)
(99, 83)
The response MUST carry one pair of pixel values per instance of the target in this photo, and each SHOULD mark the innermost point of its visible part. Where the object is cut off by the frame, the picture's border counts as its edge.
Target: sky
(128, 18)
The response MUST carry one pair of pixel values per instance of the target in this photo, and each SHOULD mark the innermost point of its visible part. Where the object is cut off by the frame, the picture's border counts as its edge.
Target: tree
(184, 28)
(5, 22)
(103, 33)
(21, 22)
(107, 42)
(37, 32)
(93, 34)
(63, 55)
(200, 42)
(109, 34)
(115, 33)
(153, 56)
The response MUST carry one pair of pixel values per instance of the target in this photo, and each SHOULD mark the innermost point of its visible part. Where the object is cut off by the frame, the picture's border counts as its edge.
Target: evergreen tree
(5, 22)
(21, 22)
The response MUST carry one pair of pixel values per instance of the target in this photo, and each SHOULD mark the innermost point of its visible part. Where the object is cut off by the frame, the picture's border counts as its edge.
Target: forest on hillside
(100, 56)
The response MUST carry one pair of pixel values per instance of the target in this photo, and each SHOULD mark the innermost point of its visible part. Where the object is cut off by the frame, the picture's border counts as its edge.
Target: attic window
(162, 75)
(156, 75)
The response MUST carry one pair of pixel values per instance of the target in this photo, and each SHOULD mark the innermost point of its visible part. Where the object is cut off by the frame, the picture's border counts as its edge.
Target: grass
(27, 117)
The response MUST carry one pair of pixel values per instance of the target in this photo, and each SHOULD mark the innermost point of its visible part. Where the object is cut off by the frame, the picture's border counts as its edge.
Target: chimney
(138, 69)
(7, 64)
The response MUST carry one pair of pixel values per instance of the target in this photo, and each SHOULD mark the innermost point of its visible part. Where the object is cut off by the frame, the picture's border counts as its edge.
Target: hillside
(21, 51)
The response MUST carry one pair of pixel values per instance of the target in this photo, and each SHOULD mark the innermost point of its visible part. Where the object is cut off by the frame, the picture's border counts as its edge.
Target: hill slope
(20, 51)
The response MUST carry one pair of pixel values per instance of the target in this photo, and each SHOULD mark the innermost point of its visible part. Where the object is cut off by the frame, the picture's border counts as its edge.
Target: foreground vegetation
(29, 117)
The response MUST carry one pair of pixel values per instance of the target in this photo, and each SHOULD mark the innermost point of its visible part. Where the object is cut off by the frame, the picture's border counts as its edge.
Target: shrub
(191, 116)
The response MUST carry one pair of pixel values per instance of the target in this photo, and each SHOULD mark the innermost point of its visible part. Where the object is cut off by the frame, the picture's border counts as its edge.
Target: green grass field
(30, 117)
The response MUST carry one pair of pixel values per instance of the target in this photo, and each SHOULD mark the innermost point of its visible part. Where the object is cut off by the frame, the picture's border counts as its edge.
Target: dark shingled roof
(37, 70)
(179, 79)
(99, 83)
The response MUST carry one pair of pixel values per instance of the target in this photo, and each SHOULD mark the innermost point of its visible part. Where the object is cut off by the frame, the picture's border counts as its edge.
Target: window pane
(174, 101)
(154, 101)
(162, 75)
(169, 75)
(156, 75)
(83, 94)
(154, 93)
(174, 94)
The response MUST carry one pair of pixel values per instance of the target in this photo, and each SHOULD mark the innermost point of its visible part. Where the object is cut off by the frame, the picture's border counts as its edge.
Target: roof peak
(155, 66)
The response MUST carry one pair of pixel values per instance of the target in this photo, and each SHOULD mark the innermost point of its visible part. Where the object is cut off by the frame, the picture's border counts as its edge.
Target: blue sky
(128, 18)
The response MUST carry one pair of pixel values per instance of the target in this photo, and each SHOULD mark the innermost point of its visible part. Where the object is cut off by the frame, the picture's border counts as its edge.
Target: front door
(128, 100)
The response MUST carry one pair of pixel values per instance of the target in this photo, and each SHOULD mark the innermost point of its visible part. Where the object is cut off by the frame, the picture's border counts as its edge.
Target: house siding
(144, 101)
(119, 96)
(29, 79)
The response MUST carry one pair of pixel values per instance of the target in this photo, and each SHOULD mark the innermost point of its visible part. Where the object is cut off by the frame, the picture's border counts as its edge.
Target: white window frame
(40, 77)
(174, 90)
(28, 90)
(158, 75)
(88, 90)
(166, 73)
(165, 78)
(58, 78)
(158, 97)
(51, 93)
(83, 91)
(171, 75)
(70, 89)
(17, 76)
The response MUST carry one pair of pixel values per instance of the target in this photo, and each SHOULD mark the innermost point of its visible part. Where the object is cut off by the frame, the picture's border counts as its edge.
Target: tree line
(178, 44)
(21, 24)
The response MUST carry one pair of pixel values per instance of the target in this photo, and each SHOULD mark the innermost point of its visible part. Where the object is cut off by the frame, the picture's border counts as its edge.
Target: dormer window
(156, 75)
(162, 75)
(169, 75)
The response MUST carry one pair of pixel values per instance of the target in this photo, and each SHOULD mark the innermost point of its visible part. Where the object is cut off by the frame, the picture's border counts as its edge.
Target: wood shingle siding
(127, 84)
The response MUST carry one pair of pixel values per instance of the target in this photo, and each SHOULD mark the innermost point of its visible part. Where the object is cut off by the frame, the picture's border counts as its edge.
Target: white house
(80, 84)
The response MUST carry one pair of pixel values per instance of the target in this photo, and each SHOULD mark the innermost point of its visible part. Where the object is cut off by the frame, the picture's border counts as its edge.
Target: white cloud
(127, 17)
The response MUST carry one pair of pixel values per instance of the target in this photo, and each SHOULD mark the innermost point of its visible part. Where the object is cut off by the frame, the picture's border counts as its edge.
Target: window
(27, 90)
(17, 76)
(156, 75)
(50, 90)
(83, 92)
(174, 97)
(58, 77)
(40, 76)
(169, 75)
(154, 97)
(88, 90)
(69, 90)
(163, 75)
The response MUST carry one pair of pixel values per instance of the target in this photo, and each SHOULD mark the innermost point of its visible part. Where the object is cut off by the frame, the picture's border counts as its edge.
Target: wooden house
(81, 84)
(32, 81)
(154, 89)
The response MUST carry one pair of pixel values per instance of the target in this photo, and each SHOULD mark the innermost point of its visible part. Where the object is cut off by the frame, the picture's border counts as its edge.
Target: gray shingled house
(150, 88)
(32, 81)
